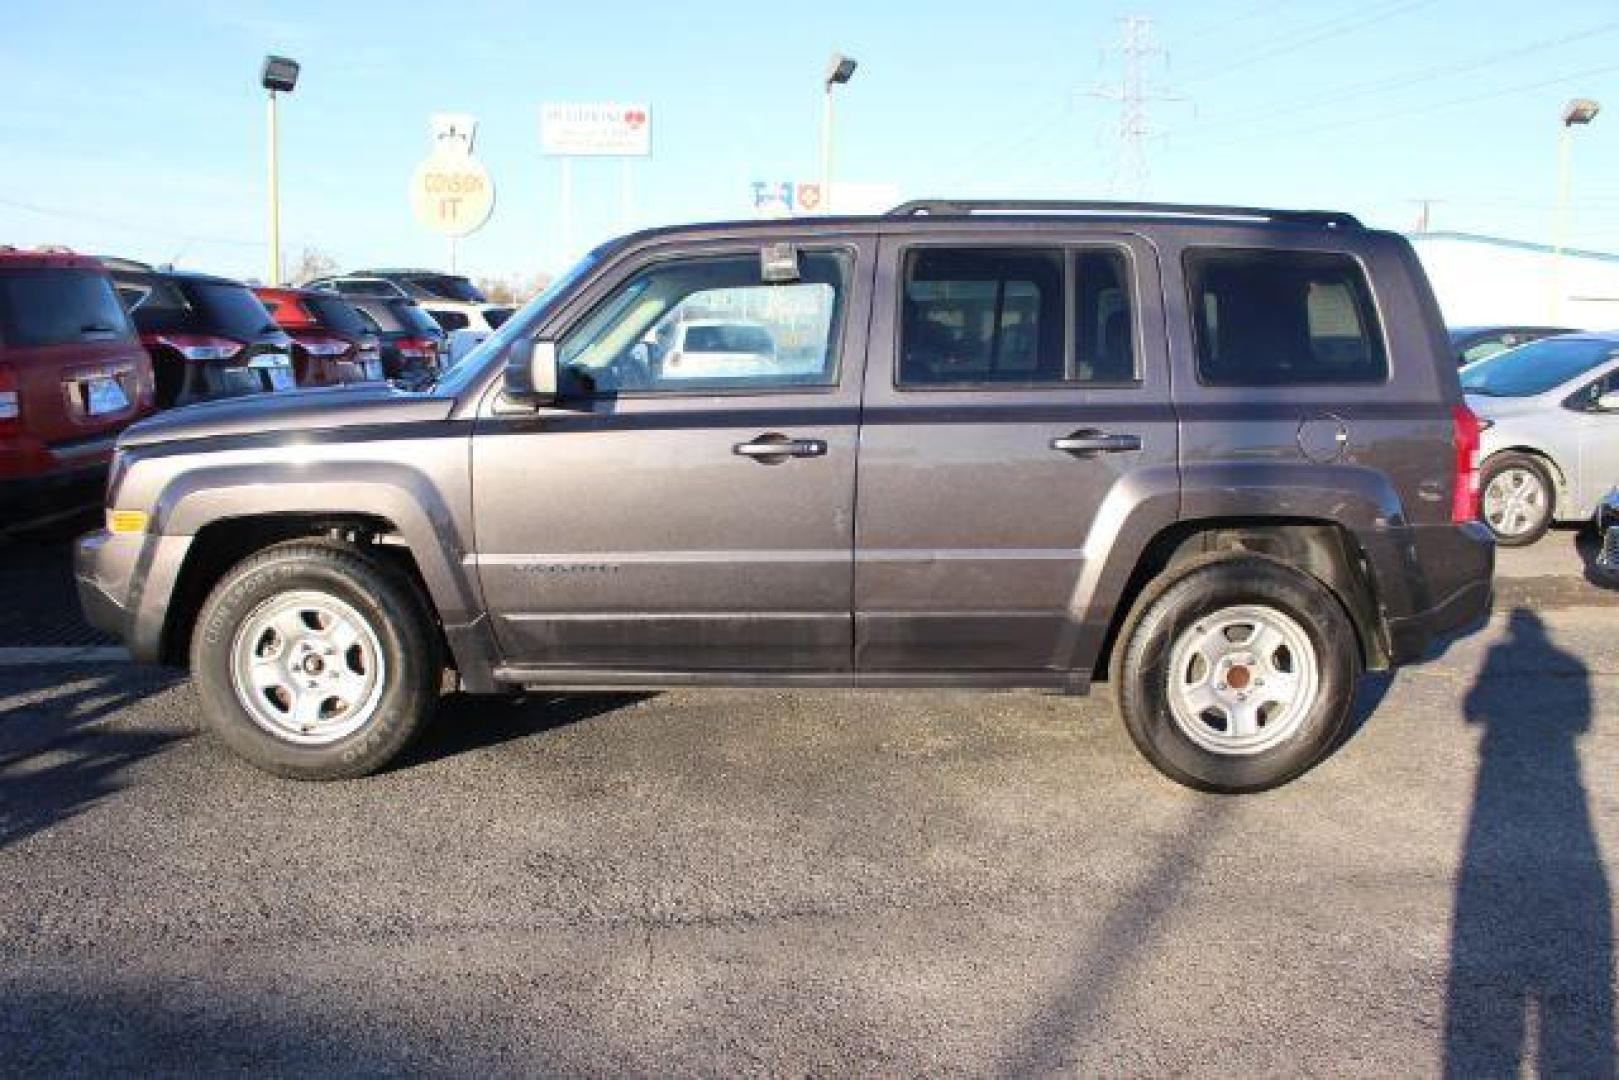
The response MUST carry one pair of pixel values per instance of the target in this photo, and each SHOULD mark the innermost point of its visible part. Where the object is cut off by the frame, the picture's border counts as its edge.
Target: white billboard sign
(596, 130)
(451, 192)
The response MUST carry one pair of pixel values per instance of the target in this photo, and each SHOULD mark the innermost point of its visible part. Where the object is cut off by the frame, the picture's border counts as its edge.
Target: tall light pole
(278, 74)
(1577, 113)
(839, 70)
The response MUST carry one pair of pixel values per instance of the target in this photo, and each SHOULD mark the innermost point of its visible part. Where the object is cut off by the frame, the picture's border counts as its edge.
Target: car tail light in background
(418, 348)
(10, 399)
(1464, 437)
(202, 346)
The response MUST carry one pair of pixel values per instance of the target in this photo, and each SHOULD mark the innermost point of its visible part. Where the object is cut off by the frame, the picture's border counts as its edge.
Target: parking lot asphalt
(728, 882)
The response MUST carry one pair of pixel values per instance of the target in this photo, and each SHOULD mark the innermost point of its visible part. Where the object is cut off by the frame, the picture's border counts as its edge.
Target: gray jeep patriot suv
(1216, 456)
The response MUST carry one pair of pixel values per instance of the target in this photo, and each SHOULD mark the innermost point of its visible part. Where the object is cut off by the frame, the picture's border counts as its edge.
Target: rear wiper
(97, 328)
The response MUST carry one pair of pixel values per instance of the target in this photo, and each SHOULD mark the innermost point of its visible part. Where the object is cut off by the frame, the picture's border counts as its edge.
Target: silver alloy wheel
(1242, 679)
(1515, 501)
(307, 667)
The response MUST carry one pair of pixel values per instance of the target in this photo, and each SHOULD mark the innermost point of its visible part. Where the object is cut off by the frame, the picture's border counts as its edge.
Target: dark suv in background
(208, 337)
(72, 376)
(1217, 456)
(413, 346)
(331, 345)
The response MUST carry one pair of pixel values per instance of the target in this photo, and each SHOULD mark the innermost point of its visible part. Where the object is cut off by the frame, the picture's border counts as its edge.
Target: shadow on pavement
(467, 722)
(52, 766)
(1531, 957)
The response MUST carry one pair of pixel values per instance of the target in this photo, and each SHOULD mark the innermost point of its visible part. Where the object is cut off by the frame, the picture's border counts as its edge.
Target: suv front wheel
(1235, 673)
(316, 662)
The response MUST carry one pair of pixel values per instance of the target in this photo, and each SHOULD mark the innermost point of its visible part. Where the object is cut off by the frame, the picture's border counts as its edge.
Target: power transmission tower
(1136, 49)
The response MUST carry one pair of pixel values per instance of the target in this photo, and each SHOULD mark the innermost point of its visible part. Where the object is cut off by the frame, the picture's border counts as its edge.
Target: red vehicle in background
(330, 344)
(72, 376)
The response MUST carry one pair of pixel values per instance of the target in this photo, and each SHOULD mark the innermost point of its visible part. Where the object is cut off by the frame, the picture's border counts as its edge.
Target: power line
(1375, 87)
(114, 223)
(1292, 41)
(1506, 91)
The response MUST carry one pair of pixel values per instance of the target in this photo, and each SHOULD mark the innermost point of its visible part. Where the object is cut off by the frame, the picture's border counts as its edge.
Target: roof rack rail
(1330, 219)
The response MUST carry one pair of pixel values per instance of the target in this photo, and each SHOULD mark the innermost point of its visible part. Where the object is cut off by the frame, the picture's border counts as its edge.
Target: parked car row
(89, 345)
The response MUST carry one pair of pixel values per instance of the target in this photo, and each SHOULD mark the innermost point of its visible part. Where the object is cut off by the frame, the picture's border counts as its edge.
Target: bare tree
(311, 263)
(515, 290)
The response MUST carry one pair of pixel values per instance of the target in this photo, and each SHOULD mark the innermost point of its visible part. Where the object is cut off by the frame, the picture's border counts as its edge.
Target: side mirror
(531, 372)
(1609, 402)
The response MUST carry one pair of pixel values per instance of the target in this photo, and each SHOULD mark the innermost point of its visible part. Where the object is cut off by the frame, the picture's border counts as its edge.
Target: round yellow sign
(452, 194)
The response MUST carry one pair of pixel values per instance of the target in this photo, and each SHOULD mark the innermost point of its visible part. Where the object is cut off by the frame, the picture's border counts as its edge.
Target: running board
(552, 678)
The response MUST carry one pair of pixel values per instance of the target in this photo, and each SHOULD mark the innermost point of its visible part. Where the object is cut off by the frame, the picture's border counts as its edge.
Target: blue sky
(139, 130)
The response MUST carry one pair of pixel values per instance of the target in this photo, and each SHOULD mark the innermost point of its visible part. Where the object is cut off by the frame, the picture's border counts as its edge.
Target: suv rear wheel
(1235, 673)
(315, 662)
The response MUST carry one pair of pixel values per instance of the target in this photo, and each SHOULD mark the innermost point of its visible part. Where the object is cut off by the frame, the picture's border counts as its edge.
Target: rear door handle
(773, 448)
(1091, 443)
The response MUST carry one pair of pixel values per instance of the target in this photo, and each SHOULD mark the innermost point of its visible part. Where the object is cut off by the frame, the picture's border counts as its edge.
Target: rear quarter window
(1283, 318)
(60, 307)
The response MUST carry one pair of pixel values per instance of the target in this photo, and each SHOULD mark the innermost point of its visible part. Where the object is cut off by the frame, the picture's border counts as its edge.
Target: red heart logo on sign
(635, 118)
(809, 196)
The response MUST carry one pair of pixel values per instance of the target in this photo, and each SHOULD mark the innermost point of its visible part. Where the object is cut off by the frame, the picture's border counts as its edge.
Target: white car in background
(710, 348)
(1550, 444)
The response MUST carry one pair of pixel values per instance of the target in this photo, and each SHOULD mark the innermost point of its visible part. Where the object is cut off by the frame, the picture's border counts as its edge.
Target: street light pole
(278, 74)
(1580, 111)
(839, 70)
(275, 198)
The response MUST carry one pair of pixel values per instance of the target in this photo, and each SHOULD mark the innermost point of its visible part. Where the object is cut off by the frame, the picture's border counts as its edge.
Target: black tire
(1536, 469)
(1139, 671)
(383, 596)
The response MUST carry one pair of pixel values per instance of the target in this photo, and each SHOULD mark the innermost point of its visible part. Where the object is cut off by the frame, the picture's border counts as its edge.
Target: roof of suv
(17, 259)
(180, 275)
(945, 213)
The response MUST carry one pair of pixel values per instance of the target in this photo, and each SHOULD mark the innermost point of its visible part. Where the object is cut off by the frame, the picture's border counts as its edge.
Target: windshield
(525, 321)
(333, 314)
(1537, 367)
(448, 287)
(59, 307)
(231, 309)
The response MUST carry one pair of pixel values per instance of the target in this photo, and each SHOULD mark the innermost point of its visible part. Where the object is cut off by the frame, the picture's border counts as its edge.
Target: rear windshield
(414, 318)
(59, 307)
(334, 314)
(447, 287)
(232, 309)
(1537, 367)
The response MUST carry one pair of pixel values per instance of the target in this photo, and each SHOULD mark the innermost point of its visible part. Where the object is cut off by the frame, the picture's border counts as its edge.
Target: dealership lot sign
(596, 130)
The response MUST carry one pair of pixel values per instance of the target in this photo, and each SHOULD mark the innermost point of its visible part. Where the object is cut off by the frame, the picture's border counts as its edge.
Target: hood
(292, 410)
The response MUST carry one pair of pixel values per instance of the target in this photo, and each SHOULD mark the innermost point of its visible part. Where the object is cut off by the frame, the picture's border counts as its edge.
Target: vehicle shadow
(1531, 954)
(52, 766)
(468, 722)
(1588, 542)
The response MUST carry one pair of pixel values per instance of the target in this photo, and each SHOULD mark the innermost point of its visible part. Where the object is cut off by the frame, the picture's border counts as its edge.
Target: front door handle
(1089, 443)
(772, 448)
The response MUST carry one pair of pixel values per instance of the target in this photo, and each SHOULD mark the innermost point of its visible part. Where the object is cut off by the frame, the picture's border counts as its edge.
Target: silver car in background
(1550, 445)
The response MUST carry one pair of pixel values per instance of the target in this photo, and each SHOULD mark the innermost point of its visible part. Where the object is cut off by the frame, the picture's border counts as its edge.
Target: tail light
(418, 348)
(1464, 437)
(202, 347)
(10, 400)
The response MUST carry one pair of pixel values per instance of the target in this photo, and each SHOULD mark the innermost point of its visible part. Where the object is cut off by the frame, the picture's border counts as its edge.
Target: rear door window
(1015, 317)
(60, 307)
(1283, 318)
